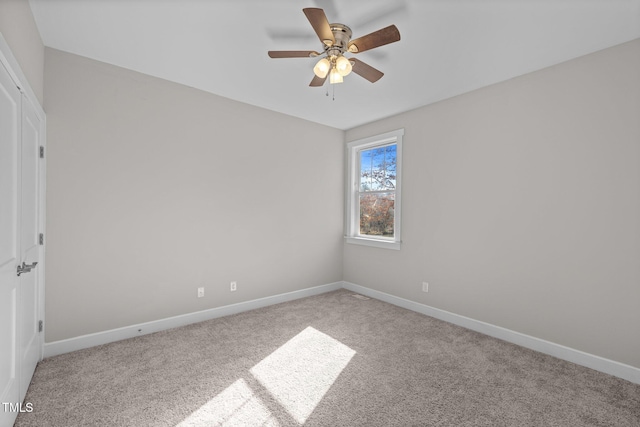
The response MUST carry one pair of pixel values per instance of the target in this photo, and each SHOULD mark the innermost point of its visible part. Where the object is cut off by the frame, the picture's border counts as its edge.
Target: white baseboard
(578, 357)
(598, 363)
(85, 341)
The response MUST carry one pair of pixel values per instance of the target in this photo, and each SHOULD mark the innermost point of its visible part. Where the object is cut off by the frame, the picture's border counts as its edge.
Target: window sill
(376, 243)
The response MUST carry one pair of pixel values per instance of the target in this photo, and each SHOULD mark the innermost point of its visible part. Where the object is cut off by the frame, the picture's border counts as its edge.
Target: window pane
(377, 214)
(378, 168)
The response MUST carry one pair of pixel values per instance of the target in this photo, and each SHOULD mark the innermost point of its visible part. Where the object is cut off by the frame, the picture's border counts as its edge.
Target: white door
(21, 135)
(28, 303)
(9, 256)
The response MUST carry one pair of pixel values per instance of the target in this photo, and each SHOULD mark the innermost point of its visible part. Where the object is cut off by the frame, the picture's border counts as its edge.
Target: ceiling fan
(336, 41)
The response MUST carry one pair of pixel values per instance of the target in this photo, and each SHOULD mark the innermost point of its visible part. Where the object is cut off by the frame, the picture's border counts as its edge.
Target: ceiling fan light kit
(337, 67)
(336, 40)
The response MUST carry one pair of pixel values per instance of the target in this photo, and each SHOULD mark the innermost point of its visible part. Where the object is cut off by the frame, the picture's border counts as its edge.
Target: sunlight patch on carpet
(237, 405)
(300, 372)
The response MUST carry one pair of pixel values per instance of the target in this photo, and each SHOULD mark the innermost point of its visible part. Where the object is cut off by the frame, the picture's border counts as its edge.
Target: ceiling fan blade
(292, 54)
(378, 38)
(317, 81)
(366, 70)
(320, 24)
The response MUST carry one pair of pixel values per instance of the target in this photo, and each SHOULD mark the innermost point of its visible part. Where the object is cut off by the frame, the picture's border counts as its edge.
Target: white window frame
(352, 203)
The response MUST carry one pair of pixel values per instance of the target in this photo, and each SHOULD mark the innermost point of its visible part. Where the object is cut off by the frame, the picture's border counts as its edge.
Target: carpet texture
(326, 360)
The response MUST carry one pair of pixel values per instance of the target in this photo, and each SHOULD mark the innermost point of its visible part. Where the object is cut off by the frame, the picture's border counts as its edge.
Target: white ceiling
(448, 47)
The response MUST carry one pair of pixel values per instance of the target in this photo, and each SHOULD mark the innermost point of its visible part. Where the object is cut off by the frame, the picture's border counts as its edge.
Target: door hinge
(40, 326)
(41, 239)
(42, 152)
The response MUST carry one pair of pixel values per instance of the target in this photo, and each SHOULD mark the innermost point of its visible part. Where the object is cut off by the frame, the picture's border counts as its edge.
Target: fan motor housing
(342, 34)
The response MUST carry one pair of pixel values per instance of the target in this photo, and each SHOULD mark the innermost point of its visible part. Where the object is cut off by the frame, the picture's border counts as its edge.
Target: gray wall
(19, 30)
(155, 189)
(521, 206)
(521, 200)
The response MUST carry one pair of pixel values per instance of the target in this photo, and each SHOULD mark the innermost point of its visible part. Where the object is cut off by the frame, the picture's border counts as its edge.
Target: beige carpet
(327, 360)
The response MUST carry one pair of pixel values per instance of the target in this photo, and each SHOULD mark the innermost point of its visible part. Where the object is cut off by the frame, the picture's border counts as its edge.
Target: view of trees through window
(377, 190)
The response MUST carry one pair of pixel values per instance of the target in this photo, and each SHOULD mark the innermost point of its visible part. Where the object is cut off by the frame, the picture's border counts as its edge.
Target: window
(373, 190)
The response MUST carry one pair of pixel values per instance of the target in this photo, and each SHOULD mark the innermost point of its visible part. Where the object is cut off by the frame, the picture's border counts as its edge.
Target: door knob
(25, 268)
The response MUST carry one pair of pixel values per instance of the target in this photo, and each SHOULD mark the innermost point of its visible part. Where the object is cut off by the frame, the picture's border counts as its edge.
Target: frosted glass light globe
(343, 66)
(322, 68)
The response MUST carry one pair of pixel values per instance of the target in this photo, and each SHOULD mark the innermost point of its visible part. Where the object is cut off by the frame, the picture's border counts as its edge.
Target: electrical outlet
(200, 292)
(425, 287)
(233, 286)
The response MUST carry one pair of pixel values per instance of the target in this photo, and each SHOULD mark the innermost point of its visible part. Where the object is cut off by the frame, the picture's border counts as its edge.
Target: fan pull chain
(333, 91)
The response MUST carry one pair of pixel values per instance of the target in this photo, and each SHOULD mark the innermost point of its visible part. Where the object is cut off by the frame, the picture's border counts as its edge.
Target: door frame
(15, 72)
